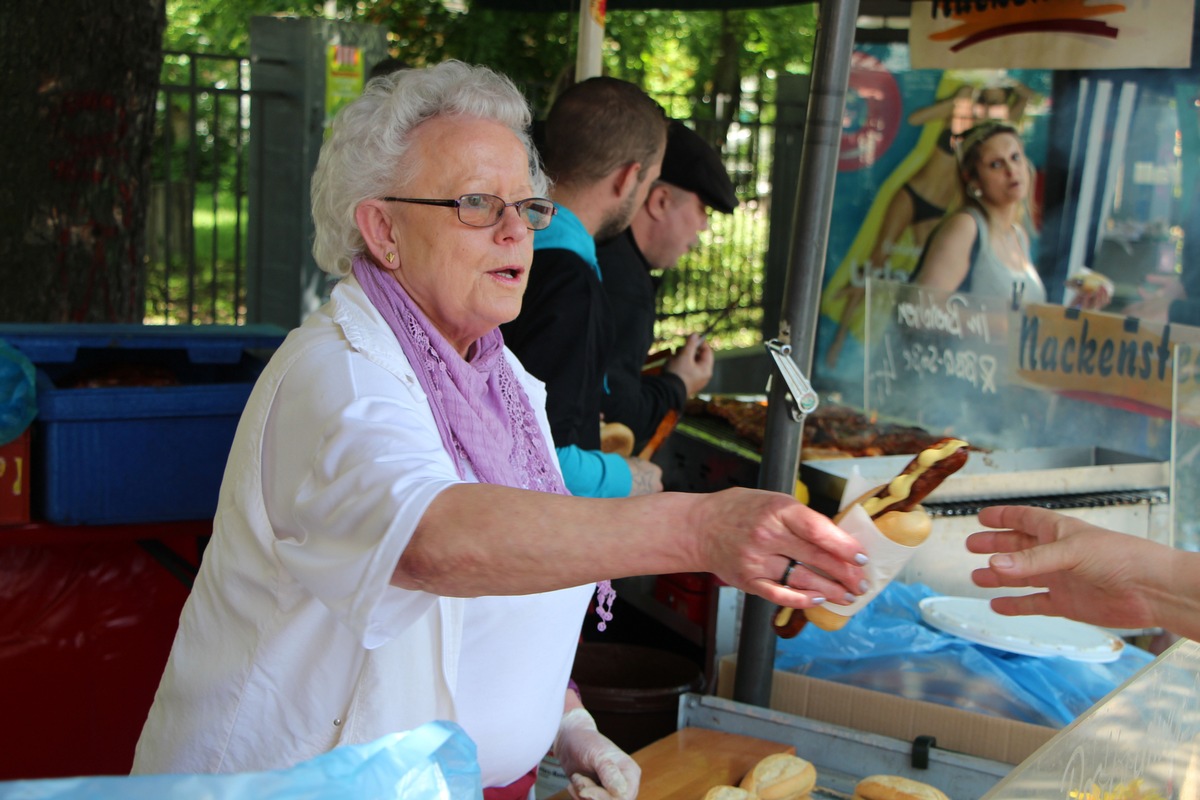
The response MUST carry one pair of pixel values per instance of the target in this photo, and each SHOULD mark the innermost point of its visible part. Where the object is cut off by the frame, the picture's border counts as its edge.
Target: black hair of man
(599, 125)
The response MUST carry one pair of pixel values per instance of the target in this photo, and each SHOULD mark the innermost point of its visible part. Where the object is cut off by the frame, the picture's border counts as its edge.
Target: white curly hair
(370, 137)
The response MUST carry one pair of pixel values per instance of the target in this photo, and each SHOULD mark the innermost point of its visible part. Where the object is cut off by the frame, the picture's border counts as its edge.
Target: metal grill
(970, 508)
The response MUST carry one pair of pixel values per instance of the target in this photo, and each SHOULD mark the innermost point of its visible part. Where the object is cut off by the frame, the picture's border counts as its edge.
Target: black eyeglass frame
(457, 205)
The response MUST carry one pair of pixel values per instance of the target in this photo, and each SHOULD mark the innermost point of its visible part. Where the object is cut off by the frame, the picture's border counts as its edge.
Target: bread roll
(909, 528)
(825, 619)
(727, 793)
(616, 437)
(894, 787)
(780, 776)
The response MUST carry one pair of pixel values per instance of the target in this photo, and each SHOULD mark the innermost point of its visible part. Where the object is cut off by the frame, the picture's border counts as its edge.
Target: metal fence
(720, 282)
(198, 221)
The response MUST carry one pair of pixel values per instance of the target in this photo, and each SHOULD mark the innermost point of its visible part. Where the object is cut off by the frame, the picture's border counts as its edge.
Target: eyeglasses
(485, 210)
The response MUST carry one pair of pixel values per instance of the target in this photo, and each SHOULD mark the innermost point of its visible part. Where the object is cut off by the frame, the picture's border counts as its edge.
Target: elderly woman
(393, 542)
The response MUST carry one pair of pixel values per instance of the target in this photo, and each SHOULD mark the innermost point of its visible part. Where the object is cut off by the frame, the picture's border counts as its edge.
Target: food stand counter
(1142, 742)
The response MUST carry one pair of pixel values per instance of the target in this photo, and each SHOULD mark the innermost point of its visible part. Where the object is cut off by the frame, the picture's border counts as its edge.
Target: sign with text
(939, 360)
(344, 77)
(1119, 361)
(1050, 34)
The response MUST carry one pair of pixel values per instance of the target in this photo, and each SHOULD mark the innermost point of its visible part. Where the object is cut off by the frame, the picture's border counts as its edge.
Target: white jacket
(293, 641)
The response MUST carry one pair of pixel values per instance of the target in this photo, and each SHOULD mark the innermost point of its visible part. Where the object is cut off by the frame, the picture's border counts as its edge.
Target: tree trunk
(79, 82)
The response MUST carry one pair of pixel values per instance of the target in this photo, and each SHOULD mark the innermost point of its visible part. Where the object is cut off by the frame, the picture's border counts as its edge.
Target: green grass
(209, 274)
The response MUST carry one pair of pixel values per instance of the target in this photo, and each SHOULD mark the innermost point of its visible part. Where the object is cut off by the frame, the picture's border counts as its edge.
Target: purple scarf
(482, 413)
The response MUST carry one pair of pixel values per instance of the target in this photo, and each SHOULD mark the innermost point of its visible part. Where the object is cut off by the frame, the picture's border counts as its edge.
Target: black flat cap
(693, 164)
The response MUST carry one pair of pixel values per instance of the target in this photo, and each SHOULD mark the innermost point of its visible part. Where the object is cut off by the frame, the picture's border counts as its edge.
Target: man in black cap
(667, 225)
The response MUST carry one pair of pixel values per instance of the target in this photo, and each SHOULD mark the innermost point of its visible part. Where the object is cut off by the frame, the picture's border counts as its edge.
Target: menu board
(1009, 378)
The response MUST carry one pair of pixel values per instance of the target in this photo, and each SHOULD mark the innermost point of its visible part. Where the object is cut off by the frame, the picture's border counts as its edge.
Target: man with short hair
(693, 180)
(604, 143)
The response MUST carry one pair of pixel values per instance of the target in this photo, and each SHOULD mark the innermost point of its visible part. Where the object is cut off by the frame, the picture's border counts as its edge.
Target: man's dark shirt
(633, 399)
(563, 336)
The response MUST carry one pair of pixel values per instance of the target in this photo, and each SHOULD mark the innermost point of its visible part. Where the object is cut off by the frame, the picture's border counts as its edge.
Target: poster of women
(897, 178)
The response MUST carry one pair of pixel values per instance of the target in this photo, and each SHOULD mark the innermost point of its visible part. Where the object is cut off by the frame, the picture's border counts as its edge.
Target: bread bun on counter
(895, 787)
(727, 793)
(781, 776)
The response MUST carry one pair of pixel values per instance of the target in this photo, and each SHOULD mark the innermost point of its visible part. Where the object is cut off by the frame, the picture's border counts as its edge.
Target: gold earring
(390, 257)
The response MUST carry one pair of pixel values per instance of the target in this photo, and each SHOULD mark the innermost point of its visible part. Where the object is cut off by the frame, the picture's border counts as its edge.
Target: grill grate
(968, 508)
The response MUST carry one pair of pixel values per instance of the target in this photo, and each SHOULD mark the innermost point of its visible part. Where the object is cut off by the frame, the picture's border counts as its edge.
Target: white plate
(972, 619)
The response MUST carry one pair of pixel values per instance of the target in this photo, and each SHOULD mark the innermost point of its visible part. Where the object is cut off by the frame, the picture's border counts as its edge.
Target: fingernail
(849, 598)
(861, 559)
(816, 601)
(864, 587)
(1003, 561)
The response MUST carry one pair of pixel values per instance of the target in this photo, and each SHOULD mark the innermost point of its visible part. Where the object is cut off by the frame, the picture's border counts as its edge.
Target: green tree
(670, 53)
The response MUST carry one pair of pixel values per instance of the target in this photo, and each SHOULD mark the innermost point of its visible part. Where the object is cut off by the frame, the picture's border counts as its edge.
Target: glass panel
(1143, 742)
(1185, 472)
(1043, 376)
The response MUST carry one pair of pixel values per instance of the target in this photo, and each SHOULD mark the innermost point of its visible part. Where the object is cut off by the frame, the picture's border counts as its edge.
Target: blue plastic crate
(122, 453)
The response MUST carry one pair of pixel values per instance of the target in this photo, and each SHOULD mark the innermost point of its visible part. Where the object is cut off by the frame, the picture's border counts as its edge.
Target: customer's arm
(1088, 573)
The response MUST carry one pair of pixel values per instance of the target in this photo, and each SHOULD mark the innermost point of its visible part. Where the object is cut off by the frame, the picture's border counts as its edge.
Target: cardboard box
(994, 738)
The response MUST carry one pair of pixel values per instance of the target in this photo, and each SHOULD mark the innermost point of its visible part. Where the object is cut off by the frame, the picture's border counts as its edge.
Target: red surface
(14, 480)
(684, 593)
(87, 618)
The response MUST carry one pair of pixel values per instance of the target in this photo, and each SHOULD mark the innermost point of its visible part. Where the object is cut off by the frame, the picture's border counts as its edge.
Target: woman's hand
(748, 537)
(596, 768)
(1090, 290)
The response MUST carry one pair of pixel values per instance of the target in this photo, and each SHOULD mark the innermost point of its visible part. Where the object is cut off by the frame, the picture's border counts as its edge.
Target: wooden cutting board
(689, 762)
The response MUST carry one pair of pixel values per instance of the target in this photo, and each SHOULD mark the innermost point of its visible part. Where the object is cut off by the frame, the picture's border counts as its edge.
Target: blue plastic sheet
(887, 647)
(18, 397)
(436, 761)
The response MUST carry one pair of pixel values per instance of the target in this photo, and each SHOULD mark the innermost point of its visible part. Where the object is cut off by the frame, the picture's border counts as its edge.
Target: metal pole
(836, 23)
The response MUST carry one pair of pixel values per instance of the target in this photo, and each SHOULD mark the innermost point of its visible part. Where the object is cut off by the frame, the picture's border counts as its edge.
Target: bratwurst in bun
(896, 511)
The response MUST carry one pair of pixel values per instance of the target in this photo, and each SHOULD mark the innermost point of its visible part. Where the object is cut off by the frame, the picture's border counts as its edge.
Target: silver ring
(787, 573)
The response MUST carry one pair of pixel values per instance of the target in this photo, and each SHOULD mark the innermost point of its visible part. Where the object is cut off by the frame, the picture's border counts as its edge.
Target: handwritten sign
(1104, 358)
(933, 356)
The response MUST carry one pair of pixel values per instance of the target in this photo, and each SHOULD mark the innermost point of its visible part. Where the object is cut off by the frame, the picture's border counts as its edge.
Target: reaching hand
(597, 768)
(1089, 574)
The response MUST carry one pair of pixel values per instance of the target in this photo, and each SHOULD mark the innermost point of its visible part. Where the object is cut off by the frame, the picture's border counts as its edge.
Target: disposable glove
(597, 768)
